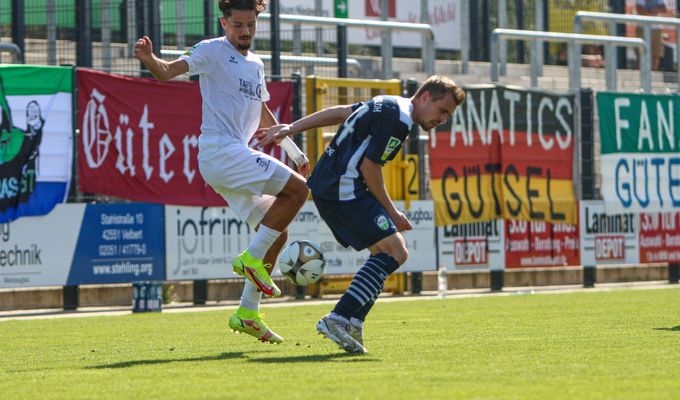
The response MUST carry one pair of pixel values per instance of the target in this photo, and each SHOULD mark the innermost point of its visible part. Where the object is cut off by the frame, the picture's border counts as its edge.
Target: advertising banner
(119, 243)
(507, 153)
(607, 238)
(444, 16)
(83, 244)
(202, 242)
(660, 237)
(472, 246)
(640, 160)
(540, 244)
(36, 139)
(139, 138)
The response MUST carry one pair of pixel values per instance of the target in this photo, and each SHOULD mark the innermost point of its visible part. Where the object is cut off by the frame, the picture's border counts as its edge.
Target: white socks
(262, 241)
(251, 297)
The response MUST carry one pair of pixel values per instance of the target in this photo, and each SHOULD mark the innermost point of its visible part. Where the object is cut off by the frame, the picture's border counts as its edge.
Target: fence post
(342, 50)
(589, 276)
(497, 278)
(386, 47)
(275, 36)
(200, 291)
(209, 19)
(84, 33)
(71, 297)
(587, 150)
(673, 273)
(19, 27)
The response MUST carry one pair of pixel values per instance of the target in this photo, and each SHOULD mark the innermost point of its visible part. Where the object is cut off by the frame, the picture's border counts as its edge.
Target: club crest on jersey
(382, 222)
(392, 144)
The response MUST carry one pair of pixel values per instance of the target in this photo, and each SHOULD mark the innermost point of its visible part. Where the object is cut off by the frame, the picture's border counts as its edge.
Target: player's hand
(401, 222)
(304, 169)
(273, 134)
(143, 48)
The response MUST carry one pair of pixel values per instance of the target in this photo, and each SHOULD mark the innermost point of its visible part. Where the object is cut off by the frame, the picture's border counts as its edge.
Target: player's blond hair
(226, 6)
(439, 86)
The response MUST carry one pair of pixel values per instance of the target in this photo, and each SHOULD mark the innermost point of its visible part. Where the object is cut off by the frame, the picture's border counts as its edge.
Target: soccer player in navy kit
(348, 189)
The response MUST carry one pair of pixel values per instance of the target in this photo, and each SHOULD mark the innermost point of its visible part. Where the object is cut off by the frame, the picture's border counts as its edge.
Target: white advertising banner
(472, 246)
(202, 242)
(607, 238)
(38, 251)
(444, 16)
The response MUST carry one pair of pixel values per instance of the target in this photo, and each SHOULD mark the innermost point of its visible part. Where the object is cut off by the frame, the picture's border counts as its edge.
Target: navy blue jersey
(376, 129)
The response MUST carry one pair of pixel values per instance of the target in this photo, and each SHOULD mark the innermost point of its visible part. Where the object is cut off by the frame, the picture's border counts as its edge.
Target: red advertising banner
(660, 237)
(507, 153)
(139, 138)
(540, 244)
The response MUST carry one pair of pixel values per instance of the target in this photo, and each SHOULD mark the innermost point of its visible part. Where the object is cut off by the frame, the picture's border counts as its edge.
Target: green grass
(617, 344)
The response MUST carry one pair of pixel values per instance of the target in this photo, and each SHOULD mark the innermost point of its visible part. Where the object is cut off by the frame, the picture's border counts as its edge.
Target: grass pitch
(617, 344)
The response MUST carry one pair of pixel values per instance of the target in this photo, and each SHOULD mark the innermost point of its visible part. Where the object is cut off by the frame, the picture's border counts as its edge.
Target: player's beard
(244, 45)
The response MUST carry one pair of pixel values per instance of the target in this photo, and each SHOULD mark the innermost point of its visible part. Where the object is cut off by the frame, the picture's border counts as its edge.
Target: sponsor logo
(250, 89)
(392, 144)
(263, 162)
(382, 222)
(232, 59)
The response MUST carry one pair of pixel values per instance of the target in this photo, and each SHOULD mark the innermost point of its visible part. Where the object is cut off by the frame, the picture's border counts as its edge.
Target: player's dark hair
(226, 6)
(439, 86)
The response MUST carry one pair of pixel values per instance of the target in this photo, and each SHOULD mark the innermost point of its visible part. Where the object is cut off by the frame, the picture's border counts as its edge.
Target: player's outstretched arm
(161, 69)
(326, 117)
(372, 173)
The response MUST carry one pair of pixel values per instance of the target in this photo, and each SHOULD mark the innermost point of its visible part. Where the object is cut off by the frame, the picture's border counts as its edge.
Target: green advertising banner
(640, 152)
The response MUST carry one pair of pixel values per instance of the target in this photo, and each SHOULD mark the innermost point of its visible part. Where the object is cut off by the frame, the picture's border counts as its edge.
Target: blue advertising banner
(120, 243)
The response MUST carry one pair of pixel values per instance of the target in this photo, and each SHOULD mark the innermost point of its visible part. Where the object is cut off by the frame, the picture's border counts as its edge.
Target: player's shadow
(344, 357)
(128, 364)
(674, 329)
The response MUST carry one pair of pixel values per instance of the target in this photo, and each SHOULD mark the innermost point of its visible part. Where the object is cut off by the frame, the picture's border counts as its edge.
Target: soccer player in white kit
(259, 188)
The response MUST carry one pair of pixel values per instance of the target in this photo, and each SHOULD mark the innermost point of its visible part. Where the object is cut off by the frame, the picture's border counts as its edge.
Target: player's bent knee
(400, 254)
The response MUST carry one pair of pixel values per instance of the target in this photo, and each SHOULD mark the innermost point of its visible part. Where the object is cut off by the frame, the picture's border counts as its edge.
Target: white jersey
(232, 87)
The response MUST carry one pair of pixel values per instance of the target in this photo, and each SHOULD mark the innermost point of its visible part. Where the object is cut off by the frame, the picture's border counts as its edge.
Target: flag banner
(640, 152)
(507, 153)
(139, 138)
(36, 139)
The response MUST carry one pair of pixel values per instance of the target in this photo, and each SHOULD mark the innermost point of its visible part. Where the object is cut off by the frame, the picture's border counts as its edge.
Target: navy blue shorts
(357, 223)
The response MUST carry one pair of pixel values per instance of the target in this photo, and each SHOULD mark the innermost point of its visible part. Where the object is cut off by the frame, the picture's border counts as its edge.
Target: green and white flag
(640, 163)
(36, 139)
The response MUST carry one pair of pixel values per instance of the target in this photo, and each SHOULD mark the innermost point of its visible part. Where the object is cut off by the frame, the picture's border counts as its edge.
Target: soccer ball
(302, 262)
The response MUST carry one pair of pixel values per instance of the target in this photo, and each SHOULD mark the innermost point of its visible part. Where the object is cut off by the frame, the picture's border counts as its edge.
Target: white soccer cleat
(338, 332)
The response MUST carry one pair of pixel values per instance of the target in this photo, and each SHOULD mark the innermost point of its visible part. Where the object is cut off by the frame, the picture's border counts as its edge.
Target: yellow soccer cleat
(253, 269)
(252, 323)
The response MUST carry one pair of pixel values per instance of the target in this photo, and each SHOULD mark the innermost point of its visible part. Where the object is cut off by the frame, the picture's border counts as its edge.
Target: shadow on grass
(674, 329)
(344, 357)
(128, 364)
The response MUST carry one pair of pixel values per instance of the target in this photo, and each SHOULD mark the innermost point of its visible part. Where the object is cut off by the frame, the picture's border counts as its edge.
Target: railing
(13, 49)
(572, 39)
(645, 21)
(308, 62)
(425, 30)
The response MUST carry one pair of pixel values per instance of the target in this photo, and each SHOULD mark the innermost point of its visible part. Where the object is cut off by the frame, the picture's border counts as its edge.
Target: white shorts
(248, 180)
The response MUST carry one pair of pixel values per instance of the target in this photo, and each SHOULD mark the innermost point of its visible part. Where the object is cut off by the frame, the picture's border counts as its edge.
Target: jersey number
(348, 126)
